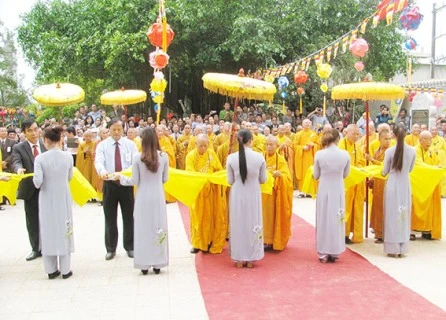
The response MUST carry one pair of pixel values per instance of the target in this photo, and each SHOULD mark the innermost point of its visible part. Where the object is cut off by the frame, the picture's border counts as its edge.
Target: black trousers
(32, 220)
(113, 194)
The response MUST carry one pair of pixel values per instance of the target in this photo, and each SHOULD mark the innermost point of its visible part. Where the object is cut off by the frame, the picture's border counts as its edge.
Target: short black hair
(27, 123)
(71, 129)
(113, 121)
(11, 131)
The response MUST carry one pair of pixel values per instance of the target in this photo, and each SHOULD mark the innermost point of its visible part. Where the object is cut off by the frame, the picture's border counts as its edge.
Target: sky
(10, 11)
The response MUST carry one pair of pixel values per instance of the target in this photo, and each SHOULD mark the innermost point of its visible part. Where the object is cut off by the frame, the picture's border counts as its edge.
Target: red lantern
(155, 35)
(359, 66)
(300, 77)
(300, 91)
(359, 48)
(161, 59)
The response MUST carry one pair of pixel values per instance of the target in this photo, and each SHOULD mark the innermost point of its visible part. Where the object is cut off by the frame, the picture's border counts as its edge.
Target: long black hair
(243, 137)
(400, 132)
(150, 147)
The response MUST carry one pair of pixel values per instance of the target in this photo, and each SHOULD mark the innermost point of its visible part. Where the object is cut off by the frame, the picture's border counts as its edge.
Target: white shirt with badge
(105, 155)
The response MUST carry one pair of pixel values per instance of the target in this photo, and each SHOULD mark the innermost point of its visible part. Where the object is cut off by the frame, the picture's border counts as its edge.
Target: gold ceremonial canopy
(58, 94)
(367, 91)
(123, 97)
(239, 86)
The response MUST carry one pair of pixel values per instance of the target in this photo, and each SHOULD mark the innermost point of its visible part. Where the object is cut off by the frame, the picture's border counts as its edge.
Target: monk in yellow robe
(96, 180)
(166, 146)
(286, 148)
(131, 135)
(412, 139)
(226, 148)
(84, 158)
(426, 216)
(191, 146)
(305, 146)
(377, 208)
(182, 143)
(258, 140)
(223, 136)
(439, 145)
(288, 131)
(277, 207)
(354, 196)
(372, 135)
(208, 219)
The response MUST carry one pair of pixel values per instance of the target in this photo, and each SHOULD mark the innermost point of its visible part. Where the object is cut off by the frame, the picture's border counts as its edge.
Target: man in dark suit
(6, 144)
(23, 162)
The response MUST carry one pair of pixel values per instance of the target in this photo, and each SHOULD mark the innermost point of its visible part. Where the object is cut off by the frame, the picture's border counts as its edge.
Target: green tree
(102, 44)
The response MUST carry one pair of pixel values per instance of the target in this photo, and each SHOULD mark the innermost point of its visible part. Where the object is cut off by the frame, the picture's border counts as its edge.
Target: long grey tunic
(52, 172)
(150, 227)
(331, 166)
(245, 207)
(397, 201)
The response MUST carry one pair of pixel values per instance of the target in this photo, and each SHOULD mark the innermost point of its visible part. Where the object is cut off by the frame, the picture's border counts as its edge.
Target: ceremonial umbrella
(238, 87)
(123, 97)
(58, 95)
(367, 91)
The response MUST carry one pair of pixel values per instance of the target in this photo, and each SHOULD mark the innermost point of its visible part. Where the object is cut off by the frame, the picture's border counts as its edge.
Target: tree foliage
(101, 44)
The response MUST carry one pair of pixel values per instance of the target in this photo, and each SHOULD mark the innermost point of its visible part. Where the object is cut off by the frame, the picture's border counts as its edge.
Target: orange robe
(277, 207)
(220, 139)
(377, 208)
(182, 143)
(354, 196)
(208, 219)
(166, 146)
(426, 216)
(259, 143)
(286, 150)
(84, 160)
(303, 159)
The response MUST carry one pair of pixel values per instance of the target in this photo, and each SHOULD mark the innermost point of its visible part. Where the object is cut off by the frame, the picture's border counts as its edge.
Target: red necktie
(35, 150)
(118, 165)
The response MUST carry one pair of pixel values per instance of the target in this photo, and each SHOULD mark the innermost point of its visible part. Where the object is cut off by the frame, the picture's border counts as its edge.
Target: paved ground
(113, 289)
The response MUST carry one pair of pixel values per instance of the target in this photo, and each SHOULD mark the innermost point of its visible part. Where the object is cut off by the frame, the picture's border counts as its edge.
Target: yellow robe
(304, 159)
(362, 141)
(220, 139)
(412, 140)
(377, 208)
(426, 216)
(259, 143)
(277, 208)
(287, 152)
(166, 146)
(137, 141)
(223, 152)
(84, 160)
(181, 146)
(208, 220)
(290, 135)
(354, 196)
(439, 144)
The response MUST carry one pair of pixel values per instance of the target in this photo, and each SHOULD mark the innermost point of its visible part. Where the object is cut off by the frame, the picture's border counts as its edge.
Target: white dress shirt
(105, 155)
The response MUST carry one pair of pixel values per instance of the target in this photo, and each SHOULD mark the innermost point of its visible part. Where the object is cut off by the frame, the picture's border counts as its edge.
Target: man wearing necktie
(23, 155)
(115, 154)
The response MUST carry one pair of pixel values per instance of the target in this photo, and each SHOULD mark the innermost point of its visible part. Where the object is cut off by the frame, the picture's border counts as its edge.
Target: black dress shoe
(66, 276)
(53, 275)
(157, 271)
(2, 208)
(33, 255)
(348, 241)
(110, 255)
(130, 253)
(427, 236)
(144, 272)
(194, 250)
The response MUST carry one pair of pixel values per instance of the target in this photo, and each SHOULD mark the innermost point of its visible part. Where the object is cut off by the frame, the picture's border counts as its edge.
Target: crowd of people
(248, 142)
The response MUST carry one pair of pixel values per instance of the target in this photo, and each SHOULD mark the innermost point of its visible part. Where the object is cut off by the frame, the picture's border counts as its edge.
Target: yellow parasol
(239, 86)
(367, 91)
(58, 95)
(123, 97)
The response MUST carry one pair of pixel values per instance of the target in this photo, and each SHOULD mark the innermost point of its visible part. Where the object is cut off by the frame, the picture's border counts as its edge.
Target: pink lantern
(412, 95)
(359, 47)
(359, 66)
(438, 103)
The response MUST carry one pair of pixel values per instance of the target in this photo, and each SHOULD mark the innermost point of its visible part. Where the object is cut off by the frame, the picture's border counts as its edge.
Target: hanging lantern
(158, 75)
(324, 70)
(161, 59)
(155, 35)
(359, 66)
(283, 82)
(284, 95)
(300, 91)
(411, 18)
(359, 47)
(300, 77)
(324, 87)
(158, 85)
(410, 44)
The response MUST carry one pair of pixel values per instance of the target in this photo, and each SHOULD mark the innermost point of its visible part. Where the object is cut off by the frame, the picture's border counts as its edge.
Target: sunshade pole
(231, 141)
(367, 163)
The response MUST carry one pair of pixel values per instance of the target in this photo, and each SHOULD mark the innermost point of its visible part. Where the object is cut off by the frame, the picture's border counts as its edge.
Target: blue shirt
(105, 155)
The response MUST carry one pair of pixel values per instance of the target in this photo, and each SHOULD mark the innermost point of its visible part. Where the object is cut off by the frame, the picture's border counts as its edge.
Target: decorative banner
(354, 35)
(344, 44)
(329, 49)
(336, 47)
(364, 25)
(389, 13)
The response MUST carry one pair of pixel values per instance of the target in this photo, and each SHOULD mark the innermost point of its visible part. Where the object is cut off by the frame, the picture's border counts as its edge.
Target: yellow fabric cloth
(277, 207)
(81, 189)
(354, 196)
(303, 159)
(426, 215)
(85, 159)
(167, 147)
(182, 143)
(208, 219)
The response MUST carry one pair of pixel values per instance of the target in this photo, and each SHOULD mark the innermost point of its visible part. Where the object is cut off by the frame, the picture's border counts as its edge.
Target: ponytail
(243, 137)
(400, 132)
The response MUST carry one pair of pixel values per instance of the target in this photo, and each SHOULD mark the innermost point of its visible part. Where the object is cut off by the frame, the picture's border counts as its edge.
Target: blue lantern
(283, 82)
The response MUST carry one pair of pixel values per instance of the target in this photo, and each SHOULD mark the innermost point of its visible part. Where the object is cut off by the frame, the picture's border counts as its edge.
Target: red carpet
(293, 284)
